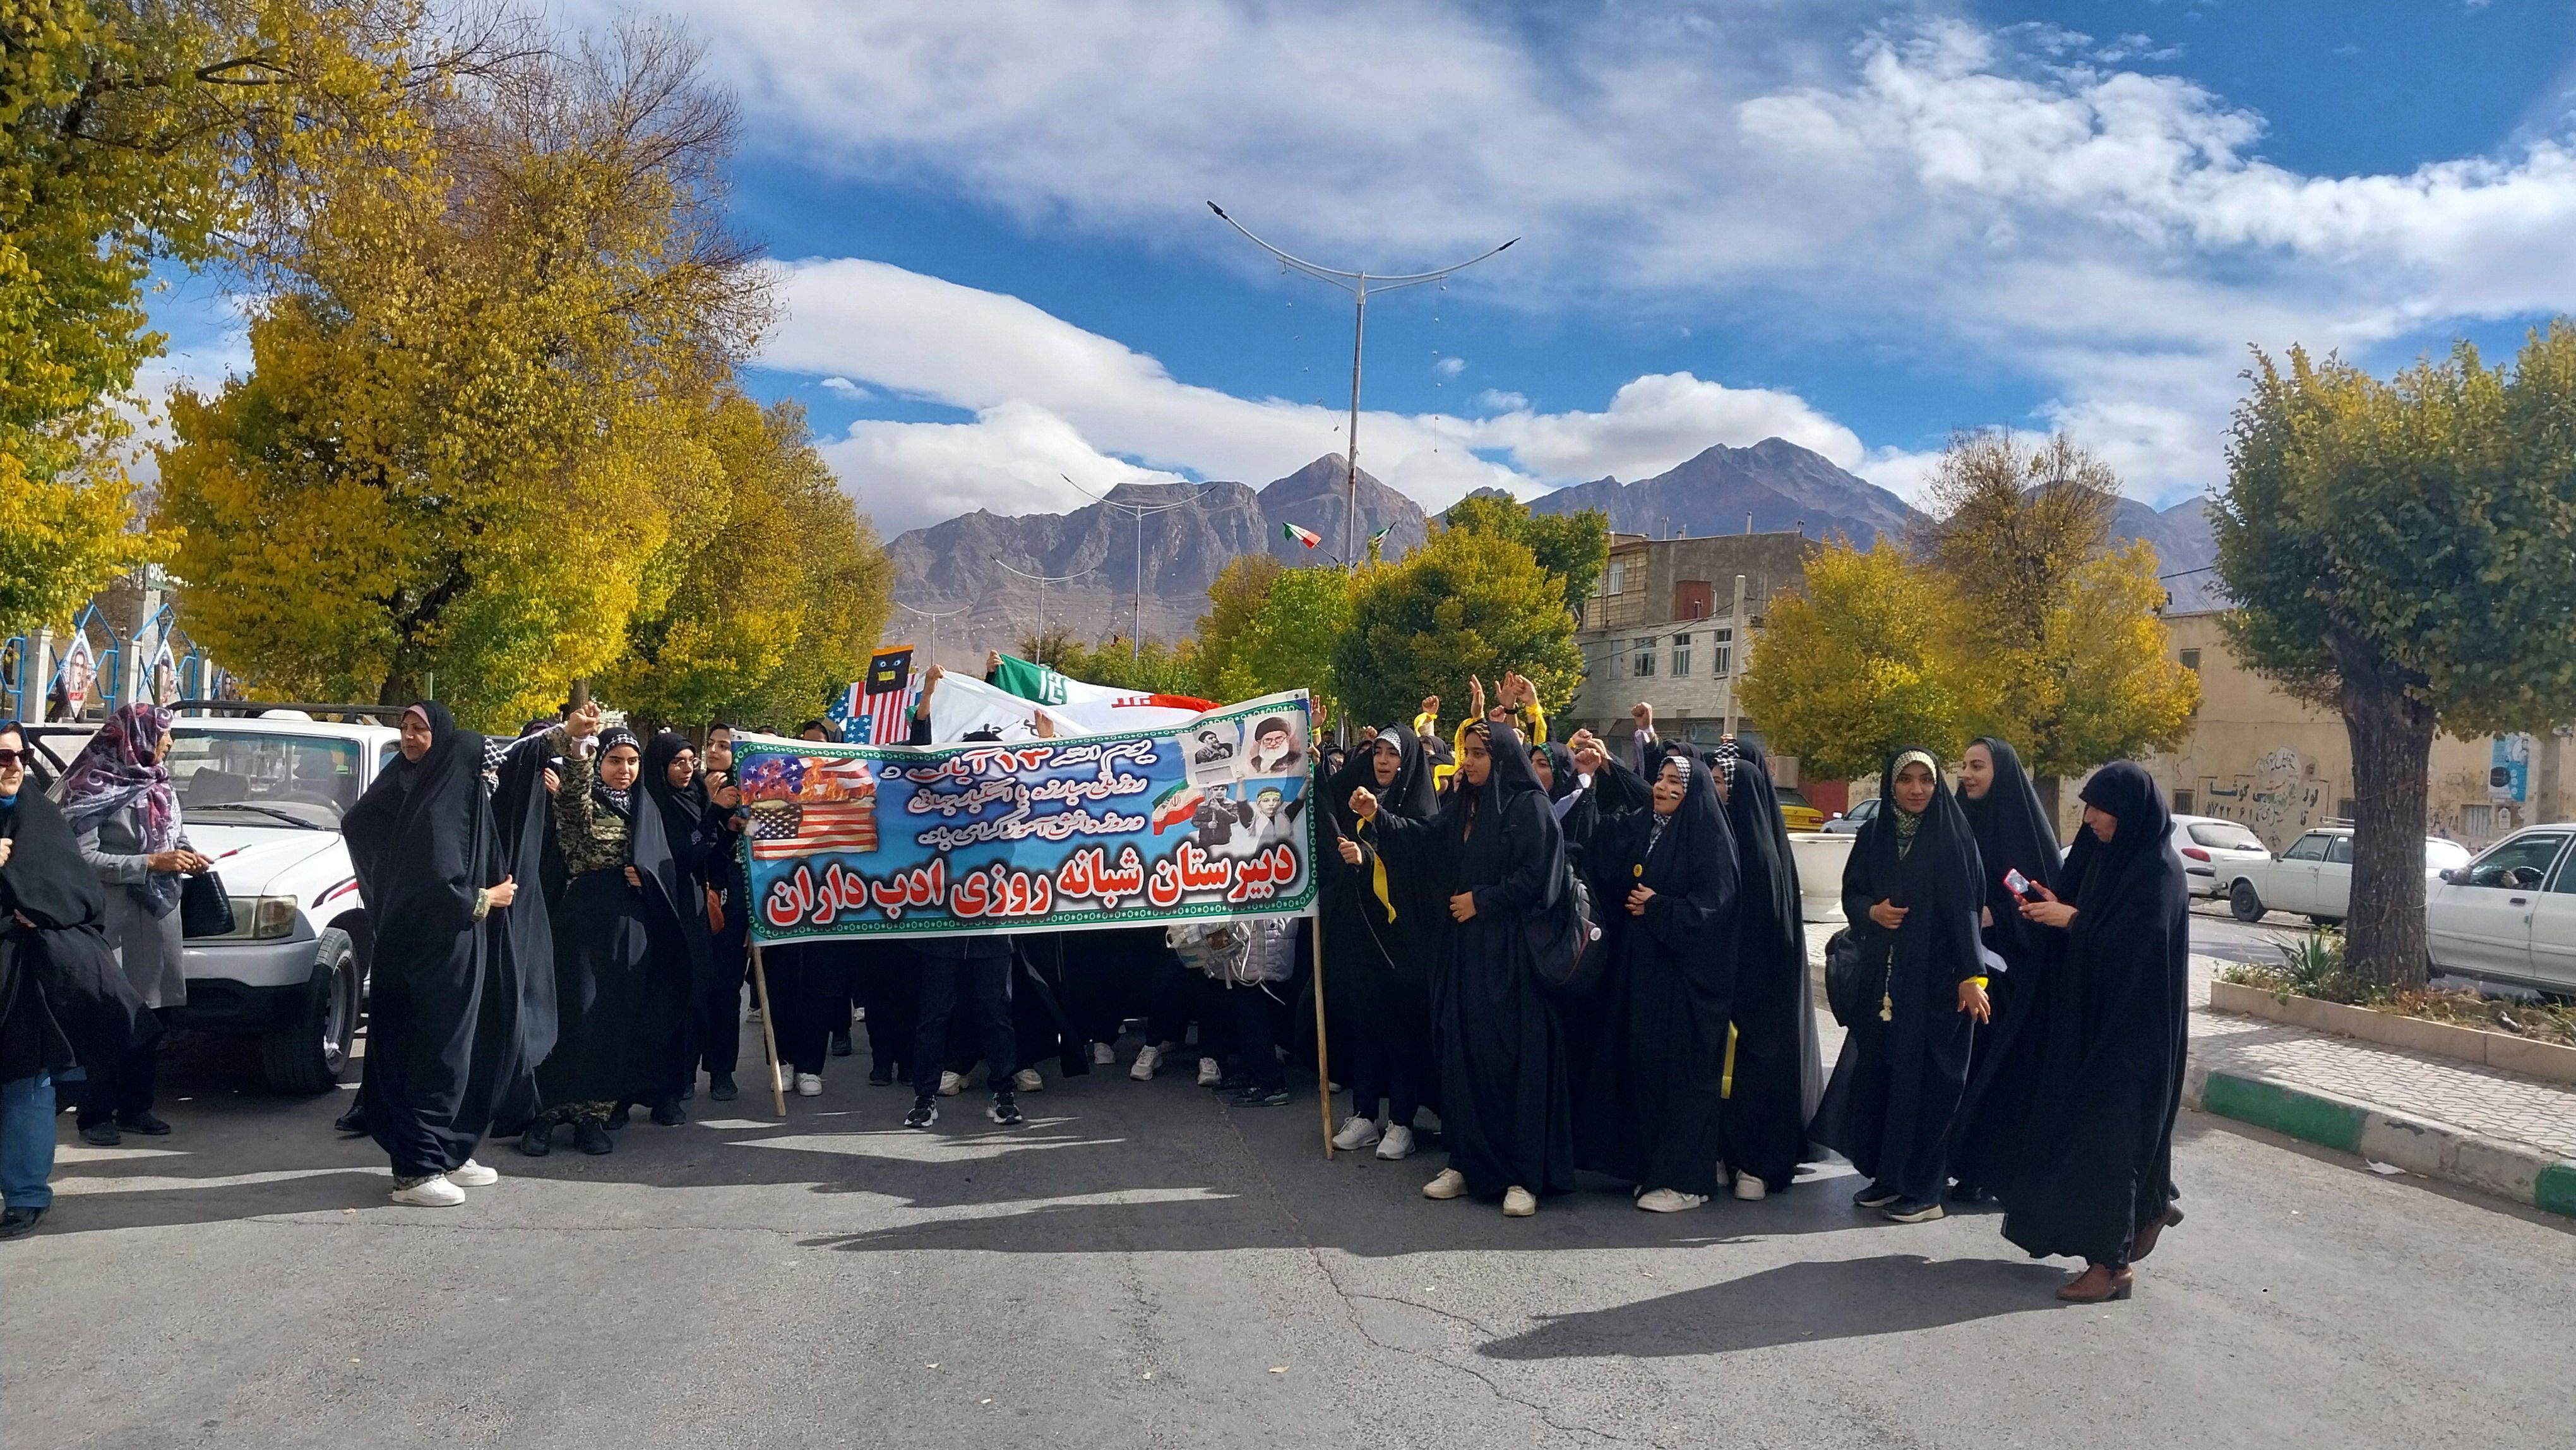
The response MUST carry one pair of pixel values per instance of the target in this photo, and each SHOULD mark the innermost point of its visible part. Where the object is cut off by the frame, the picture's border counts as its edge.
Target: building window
(1645, 660)
(1614, 580)
(2346, 808)
(2182, 803)
(1681, 654)
(1721, 652)
(2477, 822)
(2191, 660)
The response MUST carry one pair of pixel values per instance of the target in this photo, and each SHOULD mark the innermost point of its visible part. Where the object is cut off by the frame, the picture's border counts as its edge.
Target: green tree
(1234, 597)
(1466, 603)
(472, 425)
(2054, 634)
(2404, 552)
(1154, 668)
(1851, 667)
(1290, 641)
(1575, 547)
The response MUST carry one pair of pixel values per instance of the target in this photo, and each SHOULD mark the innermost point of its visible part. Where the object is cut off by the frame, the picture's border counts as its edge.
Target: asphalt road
(1140, 1266)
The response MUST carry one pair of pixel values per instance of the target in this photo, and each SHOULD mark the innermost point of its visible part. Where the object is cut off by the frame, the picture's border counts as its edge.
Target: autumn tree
(1851, 666)
(1234, 597)
(135, 133)
(2404, 553)
(2050, 632)
(1289, 642)
(1467, 602)
(1575, 547)
(472, 427)
(1152, 668)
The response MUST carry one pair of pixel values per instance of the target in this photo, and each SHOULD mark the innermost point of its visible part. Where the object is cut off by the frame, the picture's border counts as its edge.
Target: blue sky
(1853, 225)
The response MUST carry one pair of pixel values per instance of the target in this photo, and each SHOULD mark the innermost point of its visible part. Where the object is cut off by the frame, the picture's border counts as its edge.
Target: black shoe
(689, 1093)
(881, 1074)
(620, 1116)
(840, 1044)
(591, 1138)
(538, 1140)
(1964, 1192)
(1005, 1109)
(1911, 1210)
(352, 1123)
(670, 1114)
(1233, 1082)
(144, 1123)
(16, 1221)
(101, 1135)
(1875, 1196)
(1257, 1096)
(925, 1111)
(720, 1087)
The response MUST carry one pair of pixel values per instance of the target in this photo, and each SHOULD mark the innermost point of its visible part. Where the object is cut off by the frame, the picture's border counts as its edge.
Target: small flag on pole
(888, 695)
(1307, 537)
(1378, 536)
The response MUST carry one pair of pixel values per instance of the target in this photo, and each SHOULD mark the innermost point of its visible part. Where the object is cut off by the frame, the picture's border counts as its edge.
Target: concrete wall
(1650, 578)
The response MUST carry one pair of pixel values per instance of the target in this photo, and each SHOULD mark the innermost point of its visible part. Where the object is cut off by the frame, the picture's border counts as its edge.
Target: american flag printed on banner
(826, 805)
(890, 694)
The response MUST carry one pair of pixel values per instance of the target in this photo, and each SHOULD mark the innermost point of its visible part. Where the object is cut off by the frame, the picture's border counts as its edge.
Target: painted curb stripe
(2315, 1120)
(2556, 1190)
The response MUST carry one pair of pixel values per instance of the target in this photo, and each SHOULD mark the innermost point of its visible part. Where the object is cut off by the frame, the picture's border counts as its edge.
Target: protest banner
(1136, 828)
(1095, 707)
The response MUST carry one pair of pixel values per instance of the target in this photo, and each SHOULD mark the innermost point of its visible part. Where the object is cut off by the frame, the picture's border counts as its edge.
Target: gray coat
(149, 946)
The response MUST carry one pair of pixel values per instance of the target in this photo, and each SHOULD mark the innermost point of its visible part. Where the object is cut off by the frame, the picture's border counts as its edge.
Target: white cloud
(844, 388)
(1450, 367)
(1497, 400)
(2013, 196)
(1050, 398)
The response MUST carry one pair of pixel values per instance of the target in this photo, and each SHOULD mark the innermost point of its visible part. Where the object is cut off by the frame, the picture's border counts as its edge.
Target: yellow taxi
(1795, 813)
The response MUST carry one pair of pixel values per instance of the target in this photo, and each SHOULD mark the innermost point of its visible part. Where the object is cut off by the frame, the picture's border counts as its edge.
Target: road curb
(2511, 1171)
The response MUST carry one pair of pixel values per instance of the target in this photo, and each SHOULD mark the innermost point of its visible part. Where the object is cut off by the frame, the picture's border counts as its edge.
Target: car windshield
(2224, 836)
(1789, 796)
(265, 777)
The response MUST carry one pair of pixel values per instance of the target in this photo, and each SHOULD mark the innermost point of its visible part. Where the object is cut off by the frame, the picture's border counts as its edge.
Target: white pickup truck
(2314, 877)
(263, 797)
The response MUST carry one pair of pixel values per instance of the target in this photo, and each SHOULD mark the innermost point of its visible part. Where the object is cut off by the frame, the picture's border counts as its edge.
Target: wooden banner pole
(1323, 1054)
(768, 1029)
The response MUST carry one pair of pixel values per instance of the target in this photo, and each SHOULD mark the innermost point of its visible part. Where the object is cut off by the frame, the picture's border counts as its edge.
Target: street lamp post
(1360, 285)
(1043, 580)
(934, 623)
(1136, 642)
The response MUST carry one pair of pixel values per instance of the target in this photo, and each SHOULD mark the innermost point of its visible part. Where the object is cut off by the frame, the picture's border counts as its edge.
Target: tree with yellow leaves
(1851, 667)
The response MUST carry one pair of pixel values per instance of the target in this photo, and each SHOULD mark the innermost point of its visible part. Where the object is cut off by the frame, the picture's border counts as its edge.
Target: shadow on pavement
(1795, 1304)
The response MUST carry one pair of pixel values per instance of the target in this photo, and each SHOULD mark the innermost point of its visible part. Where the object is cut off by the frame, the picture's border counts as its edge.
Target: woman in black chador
(2013, 835)
(1665, 882)
(1776, 1074)
(1494, 856)
(444, 1037)
(2086, 1151)
(691, 837)
(1911, 890)
(1377, 939)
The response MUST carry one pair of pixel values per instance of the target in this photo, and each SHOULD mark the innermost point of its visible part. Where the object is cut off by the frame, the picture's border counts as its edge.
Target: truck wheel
(2242, 903)
(308, 1055)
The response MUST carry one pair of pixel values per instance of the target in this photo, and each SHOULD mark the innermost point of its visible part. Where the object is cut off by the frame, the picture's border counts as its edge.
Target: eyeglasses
(12, 759)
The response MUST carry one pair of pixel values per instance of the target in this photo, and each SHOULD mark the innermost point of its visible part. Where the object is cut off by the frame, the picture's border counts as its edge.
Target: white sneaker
(809, 1084)
(1028, 1081)
(471, 1174)
(1519, 1202)
(431, 1192)
(1357, 1133)
(1211, 1072)
(951, 1084)
(1148, 1058)
(1398, 1143)
(1450, 1184)
(786, 1078)
(1665, 1200)
(1103, 1055)
(1750, 1189)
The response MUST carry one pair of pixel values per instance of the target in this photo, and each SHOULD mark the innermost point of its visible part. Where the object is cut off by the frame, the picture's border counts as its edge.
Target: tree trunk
(2392, 748)
(2047, 786)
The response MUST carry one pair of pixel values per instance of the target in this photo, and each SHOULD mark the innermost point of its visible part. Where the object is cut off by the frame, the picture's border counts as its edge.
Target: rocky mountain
(1775, 484)
(2184, 549)
(960, 565)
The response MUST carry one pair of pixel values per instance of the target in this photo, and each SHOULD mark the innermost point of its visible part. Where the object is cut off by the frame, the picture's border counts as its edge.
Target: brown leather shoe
(2143, 1242)
(2097, 1284)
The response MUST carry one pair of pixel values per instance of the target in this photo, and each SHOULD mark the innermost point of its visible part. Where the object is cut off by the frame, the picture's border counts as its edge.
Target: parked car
(2209, 846)
(2314, 876)
(1850, 822)
(2509, 915)
(1795, 813)
(263, 798)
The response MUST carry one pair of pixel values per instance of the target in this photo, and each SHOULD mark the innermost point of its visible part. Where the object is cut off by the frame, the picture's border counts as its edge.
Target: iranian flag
(1175, 807)
(1307, 537)
(1097, 708)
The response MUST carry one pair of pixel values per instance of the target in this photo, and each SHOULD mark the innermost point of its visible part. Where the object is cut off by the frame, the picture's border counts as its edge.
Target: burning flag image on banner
(801, 806)
(1307, 537)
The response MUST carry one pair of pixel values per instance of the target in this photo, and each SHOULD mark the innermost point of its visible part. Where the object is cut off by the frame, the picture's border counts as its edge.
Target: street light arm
(1360, 281)
(1319, 273)
(1138, 509)
(1048, 578)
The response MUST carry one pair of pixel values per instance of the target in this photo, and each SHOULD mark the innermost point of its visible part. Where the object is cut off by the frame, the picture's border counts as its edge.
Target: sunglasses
(12, 759)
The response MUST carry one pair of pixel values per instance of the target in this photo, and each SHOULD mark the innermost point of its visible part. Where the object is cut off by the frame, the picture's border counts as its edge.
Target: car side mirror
(1836, 816)
(2454, 875)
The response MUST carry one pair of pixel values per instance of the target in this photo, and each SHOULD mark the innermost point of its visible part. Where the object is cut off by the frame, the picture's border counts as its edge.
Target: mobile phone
(2017, 883)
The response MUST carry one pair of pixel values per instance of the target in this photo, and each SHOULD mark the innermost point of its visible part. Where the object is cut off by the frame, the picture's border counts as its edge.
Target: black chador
(63, 998)
(446, 1037)
(1904, 1063)
(1503, 1103)
(2088, 1146)
(1674, 967)
(677, 896)
(1380, 925)
(1776, 1074)
(2013, 835)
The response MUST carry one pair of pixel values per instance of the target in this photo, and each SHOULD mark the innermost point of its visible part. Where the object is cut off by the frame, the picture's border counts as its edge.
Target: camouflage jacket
(591, 837)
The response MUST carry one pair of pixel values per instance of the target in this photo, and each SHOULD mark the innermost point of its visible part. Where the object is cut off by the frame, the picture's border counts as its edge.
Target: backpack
(1565, 939)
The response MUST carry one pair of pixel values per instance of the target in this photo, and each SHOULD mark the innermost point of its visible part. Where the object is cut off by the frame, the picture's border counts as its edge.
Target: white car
(263, 798)
(2314, 876)
(1850, 822)
(2509, 915)
(2211, 847)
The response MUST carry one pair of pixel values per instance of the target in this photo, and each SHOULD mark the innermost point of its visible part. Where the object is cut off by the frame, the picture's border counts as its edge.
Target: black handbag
(1565, 941)
(1851, 988)
(204, 909)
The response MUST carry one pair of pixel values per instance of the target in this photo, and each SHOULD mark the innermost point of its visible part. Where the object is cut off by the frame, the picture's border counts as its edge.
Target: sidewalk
(2478, 1127)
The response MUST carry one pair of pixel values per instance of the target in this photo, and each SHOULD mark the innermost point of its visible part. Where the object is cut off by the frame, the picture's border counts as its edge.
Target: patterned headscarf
(1908, 822)
(119, 768)
(620, 801)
